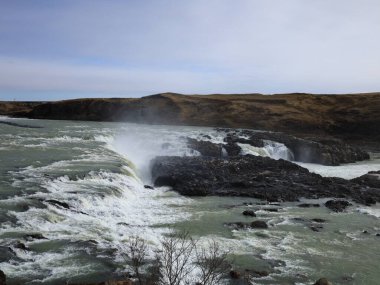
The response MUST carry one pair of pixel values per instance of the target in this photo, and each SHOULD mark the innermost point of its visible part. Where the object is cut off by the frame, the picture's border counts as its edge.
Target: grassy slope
(345, 115)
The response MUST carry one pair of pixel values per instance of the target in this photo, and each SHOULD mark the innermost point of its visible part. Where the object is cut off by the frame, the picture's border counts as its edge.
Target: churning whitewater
(72, 193)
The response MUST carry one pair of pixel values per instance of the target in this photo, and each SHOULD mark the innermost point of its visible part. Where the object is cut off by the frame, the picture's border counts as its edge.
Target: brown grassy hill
(356, 115)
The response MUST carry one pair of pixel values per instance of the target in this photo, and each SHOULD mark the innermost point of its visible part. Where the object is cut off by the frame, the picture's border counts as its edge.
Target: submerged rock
(30, 237)
(148, 187)
(58, 203)
(253, 176)
(322, 281)
(249, 213)
(307, 205)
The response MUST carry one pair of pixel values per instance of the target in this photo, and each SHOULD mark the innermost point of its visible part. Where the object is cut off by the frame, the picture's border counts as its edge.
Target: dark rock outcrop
(337, 205)
(311, 150)
(3, 278)
(253, 176)
(371, 179)
(322, 281)
(259, 225)
(205, 148)
(249, 213)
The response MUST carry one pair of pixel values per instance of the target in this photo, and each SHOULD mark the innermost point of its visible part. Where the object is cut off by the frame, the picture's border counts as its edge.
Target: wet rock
(259, 225)
(322, 281)
(337, 205)
(166, 145)
(58, 203)
(371, 179)
(316, 228)
(232, 149)
(318, 220)
(258, 273)
(20, 245)
(308, 205)
(205, 148)
(365, 232)
(235, 274)
(249, 213)
(378, 235)
(3, 278)
(30, 237)
(148, 187)
(270, 209)
(252, 176)
(6, 253)
(237, 225)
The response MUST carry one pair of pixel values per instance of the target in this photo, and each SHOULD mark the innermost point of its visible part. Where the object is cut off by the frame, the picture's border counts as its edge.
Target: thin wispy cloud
(135, 48)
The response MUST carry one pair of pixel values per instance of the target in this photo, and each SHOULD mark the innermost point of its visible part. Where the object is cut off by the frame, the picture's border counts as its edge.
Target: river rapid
(72, 193)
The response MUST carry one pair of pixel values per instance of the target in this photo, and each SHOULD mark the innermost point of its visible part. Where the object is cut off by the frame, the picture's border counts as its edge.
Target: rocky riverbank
(223, 170)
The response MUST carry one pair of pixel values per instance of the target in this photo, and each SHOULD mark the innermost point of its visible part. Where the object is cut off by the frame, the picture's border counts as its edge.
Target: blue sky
(53, 50)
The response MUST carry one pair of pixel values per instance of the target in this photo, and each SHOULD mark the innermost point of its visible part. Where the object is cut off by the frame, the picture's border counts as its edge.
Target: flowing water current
(72, 193)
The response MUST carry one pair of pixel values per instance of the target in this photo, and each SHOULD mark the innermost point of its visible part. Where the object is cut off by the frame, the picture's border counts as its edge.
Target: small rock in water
(378, 235)
(318, 220)
(235, 274)
(337, 205)
(20, 245)
(322, 281)
(3, 278)
(58, 203)
(365, 232)
(30, 237)
(259, 225)
(307, 205)
(271, 209)
(249, 213)
(148, 187)
(316, 228)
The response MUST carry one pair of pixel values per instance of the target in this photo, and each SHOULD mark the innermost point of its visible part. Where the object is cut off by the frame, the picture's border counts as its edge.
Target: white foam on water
(271, 149)
(346, 171)
(372, 211)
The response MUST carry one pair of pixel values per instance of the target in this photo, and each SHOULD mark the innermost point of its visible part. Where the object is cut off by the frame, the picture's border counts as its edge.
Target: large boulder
(253, 176)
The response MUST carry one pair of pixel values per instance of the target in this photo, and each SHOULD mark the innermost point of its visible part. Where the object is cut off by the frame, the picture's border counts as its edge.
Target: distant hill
(353, 115)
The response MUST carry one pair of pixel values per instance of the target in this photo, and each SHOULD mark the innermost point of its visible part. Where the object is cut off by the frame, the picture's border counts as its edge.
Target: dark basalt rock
(318, 220)
(307, 205)
(371, 179)
(337, 205)
(235, 274)
(3, 278)
(311, 150)
(249, 213)
(253, 176)
(58, 203)
(322, 281)
(30, 237)
(259, 225)
(148, 187)
(205, 148)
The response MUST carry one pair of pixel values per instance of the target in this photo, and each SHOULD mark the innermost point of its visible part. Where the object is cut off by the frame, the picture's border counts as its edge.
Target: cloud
(143, 47)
